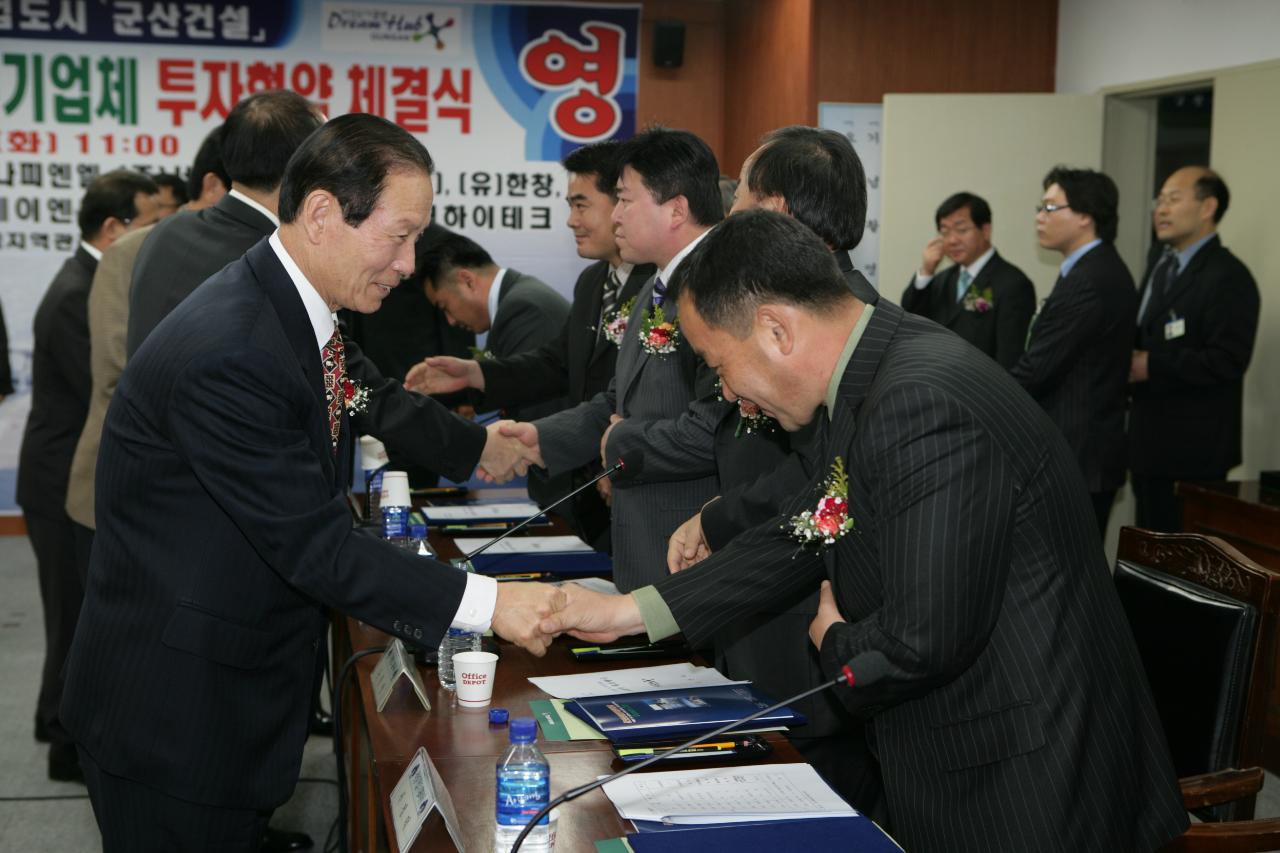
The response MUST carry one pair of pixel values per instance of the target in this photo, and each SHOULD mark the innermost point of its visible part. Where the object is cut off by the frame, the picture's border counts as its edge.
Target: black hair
(350, 156)
(979, 210)
(1091, 193)
(112, 194)
(673, 163)
(176, 184)
(260, 134)
(820, 177)
(755, 257)
(445, 252)
(208, 159)
(599, 159)
(1211, 185)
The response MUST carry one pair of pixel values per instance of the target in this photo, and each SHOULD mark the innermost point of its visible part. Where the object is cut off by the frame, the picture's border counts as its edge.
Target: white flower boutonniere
(354, 396)
(658, 335)
(819, 528)
(615, 322)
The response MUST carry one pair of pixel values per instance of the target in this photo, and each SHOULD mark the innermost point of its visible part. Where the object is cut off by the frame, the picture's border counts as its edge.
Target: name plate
(396, 662)
(419, 792)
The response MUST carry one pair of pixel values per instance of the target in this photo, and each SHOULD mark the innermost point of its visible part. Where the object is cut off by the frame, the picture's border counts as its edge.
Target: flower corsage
(615, 322)
(750, 418)
(478, 354)
(979, 303)
(820, 528)
(354, 396)
(658, 335)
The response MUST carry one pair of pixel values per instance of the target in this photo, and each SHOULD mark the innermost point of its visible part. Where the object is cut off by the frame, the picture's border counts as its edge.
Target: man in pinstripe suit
(1003, 692)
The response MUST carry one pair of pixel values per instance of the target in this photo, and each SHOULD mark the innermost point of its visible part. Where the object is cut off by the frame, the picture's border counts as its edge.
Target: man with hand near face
(223, 528)
(982, 297)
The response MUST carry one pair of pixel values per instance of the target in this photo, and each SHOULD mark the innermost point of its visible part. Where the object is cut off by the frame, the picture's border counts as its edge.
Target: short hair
(260, 134)
(1089, 192)
(599, 159)
(820, 177)
(1211, 185)
(755, 257)
(174, 183)
(208, 159)
(673, 163)
(350, 156)
(436, 258)
(112, 194)
(979, 210)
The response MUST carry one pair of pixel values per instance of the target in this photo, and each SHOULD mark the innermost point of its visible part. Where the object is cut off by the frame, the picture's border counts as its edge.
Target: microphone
(632, 465)
(862, 670)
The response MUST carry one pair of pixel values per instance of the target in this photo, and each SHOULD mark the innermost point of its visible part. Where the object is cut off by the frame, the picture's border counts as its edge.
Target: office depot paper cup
(373, 454)
(474, 673)
(395, 489)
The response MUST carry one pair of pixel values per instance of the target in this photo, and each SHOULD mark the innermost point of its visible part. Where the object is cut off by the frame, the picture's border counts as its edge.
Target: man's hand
(1138, 366)
(594, 617)
(828, 615)
(687, 546)
(444, 374)
(605, 487)
(520, 610)
(614, 420)
(509, 450)
(932, 256)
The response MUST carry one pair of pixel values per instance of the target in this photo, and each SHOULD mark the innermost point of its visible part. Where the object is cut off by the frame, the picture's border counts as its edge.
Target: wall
(1112, 42)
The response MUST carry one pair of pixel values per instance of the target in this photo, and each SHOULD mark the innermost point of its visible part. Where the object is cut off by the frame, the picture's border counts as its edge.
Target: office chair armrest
(1224, 786)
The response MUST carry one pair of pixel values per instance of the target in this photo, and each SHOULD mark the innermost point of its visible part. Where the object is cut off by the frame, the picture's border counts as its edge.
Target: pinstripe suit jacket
(1014, 714)
(671, 412)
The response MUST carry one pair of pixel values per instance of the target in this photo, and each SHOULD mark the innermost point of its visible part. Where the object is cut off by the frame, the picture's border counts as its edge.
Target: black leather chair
(1204, 617)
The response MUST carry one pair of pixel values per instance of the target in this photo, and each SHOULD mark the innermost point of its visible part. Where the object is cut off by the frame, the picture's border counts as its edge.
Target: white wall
(1113, 42)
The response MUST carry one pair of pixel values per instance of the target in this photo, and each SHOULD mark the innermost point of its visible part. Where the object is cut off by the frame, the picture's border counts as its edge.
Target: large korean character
(69, 77)
(456, 93)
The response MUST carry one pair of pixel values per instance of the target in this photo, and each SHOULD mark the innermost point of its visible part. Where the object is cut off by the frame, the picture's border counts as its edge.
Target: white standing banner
(863, 125)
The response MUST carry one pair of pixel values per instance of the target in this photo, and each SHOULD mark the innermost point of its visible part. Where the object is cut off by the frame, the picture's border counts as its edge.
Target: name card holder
(396, 662)
(419, 792)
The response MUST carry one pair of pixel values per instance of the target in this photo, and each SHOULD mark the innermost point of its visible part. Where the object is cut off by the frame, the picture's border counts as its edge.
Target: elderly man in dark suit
(1197, 319)
(1077, 361)
(952, 536)
(114, 205)
(223, 528)
(981, 297)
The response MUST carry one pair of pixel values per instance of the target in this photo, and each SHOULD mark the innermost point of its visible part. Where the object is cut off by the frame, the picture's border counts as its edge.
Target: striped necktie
(659, 291)
(1161, 280)
(334, 362)
(609, 298)
(962, 284)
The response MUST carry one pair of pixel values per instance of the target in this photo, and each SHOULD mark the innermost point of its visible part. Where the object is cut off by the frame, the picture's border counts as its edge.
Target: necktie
(1161, 280)
(608, 298)
(659, 291)
(962, 285)
(334, 363)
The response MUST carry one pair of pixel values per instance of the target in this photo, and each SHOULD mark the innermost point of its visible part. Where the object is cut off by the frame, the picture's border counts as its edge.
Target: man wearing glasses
(982, 297)
(1078, 347)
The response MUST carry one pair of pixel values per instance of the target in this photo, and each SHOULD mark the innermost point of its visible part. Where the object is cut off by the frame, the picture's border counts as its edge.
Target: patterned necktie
(608, 299)
(334, 364)
(659, 291)
(1161, 280)
(962, 286)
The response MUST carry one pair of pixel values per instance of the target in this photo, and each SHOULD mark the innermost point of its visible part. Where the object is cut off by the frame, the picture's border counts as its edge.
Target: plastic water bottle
(524, 787)
(454, 641)
(395, 524)
(417, 543)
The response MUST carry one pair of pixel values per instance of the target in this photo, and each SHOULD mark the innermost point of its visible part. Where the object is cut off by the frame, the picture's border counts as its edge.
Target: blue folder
(674, 714)
(855, 833)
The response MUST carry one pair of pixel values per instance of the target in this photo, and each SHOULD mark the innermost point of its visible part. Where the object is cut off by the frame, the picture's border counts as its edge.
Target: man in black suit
(223, 529)
(115, 204)
(6, 373)
(1079, 344)
(259, 135)
(951, 535)
(1197, 317)
(982, 297)
(579, 362)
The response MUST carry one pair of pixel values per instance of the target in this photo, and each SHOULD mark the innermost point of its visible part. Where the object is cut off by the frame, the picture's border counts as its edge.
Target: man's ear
(776, 203)
(679, 211)
(775, 324)
(320, 212)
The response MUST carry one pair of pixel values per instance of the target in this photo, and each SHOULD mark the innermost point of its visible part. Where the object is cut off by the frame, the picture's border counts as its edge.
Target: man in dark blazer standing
(579, 362)
(115, 204)
(982, 297)
(1197, 318)
(223, 529)
(951, 534)
(1078, 348)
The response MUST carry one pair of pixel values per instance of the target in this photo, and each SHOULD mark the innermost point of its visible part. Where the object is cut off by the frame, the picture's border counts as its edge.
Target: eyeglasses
(1051, 208)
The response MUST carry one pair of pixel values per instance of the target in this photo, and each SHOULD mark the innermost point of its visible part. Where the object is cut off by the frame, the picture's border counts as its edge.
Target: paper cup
(395, 489)
(373, 454)
(474, 673)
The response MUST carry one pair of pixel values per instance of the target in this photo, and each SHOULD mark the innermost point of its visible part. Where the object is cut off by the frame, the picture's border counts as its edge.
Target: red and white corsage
(615, 322)
(819, 528)
(355, 397)
(979, 303)
(658, 335)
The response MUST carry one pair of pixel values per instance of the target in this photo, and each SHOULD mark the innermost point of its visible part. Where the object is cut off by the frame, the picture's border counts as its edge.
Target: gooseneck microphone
(862, 670)
(631, 466)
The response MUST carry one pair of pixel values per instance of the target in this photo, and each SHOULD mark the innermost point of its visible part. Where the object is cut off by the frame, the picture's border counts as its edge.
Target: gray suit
(671, 411)
(529, 315)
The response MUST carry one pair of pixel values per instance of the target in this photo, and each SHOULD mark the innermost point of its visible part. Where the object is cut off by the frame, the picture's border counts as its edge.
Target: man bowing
(223, 528)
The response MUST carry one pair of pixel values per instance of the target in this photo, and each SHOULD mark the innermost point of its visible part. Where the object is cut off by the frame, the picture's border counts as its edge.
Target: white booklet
(726, 795)
(528, 545)
(482, 512)
(640, 679)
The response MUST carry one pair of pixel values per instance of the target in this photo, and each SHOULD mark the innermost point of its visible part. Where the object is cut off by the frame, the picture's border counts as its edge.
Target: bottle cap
(417, 531)
(498, 716)
(523, 730)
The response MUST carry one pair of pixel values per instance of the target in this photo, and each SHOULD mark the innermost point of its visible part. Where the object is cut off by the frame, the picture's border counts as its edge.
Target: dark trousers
(1158, 508)
(61, 593)
(1102, 502)
(84, 548)
(134, 818)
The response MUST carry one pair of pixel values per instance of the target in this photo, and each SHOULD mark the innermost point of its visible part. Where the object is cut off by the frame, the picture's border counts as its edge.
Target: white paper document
(726, 795)
(528, 545)
(482, 512)
(641, 679)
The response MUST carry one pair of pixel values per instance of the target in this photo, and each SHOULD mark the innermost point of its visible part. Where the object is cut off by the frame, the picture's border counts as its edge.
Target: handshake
(533, 614)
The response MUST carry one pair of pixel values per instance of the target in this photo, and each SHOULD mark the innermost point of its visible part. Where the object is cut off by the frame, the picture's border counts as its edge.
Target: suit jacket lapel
(638, 277)
(1158, 308)
(632, 357)
(947, 292)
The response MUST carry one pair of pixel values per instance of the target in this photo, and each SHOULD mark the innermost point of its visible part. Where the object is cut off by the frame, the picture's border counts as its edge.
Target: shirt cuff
(921, 281)
(475, 613)
(657, 617)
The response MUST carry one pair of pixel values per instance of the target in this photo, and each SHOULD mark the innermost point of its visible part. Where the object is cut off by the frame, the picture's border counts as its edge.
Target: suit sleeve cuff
(658, 621)
(475, 612)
